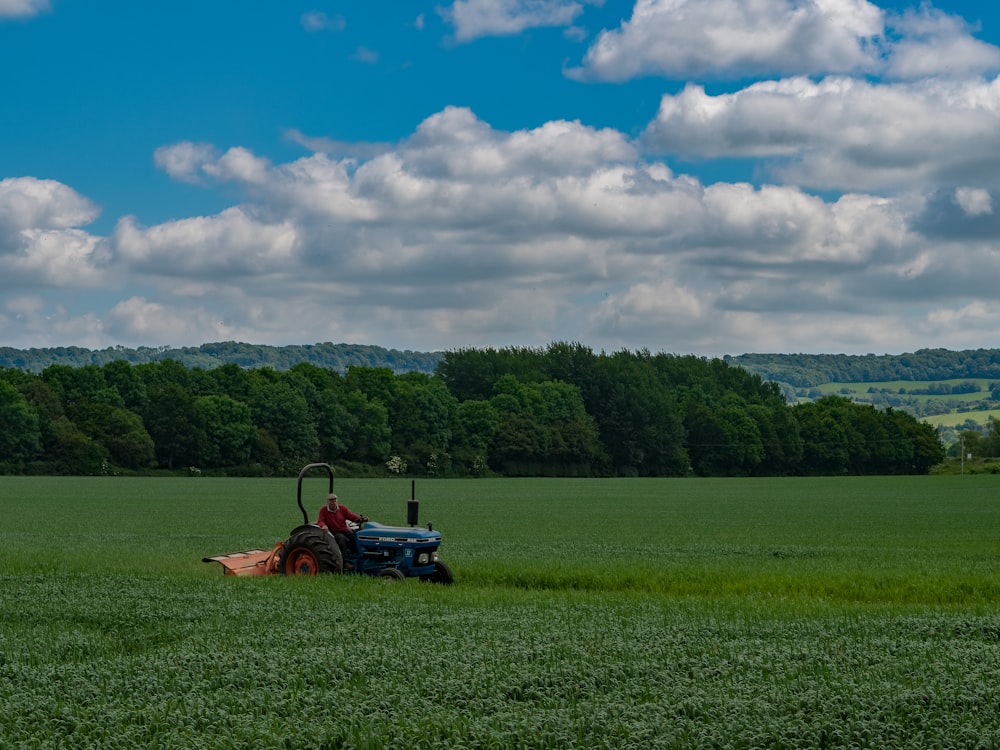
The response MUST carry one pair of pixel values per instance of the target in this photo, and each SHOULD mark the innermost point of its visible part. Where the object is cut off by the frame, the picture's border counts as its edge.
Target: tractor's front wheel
(307, 551)
(441, 574)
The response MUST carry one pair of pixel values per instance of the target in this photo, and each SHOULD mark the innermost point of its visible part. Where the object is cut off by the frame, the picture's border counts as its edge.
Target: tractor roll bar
(305, 470)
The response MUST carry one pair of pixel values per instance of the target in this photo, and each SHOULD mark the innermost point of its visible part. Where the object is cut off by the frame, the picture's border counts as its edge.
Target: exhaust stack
(412, 505)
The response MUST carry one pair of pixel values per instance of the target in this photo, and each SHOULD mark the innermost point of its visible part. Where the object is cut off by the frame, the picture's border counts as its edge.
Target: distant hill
(794, 370)
(208, 356)
(809, 370)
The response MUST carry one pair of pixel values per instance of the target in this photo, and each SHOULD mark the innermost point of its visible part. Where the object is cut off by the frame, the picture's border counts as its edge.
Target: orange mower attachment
(251, 562)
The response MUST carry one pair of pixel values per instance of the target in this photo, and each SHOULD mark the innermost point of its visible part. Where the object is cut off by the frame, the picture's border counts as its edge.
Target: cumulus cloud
(197, 162)
(463, 234)
(694, 38)
(40, 245)
(733, 39)
(139, 319)
(478, 18)
(933, 43)
(238, 164)
(30, 203)
(456, 143)
(466, 234)
(40, 322)
(462, 229)
(23, 8)
(68, 258)
(231, 243)
(185, 161)
(842, 133)
(974, 201)
(332, 146)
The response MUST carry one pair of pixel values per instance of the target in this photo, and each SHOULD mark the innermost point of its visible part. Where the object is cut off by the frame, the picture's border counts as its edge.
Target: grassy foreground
(848, 612)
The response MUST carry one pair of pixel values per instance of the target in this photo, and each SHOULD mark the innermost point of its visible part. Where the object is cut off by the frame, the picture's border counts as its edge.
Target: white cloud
(33, 321)
(194, 162)
(456, 143)
(23, 8)
(694, 38)
(231, 243)
(464, 230)
(185, 161)
(39, 244)
(68, 258)
(319, 21)
(974, 201)
(238, 164)
(30, 203)
(463, 234)
(478, 18)
(935, 44)
(842, 132)
(138, 319)
(365, 55)
(321, 144)
(698, 39)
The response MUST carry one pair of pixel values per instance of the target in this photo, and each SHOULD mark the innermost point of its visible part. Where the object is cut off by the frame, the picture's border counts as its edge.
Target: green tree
(125, 379)
(779, 434)
(324, 391)
(283, 412)
(543, 428)
(119, 430)
(20, 432)
(825, 439)
(724, 439)
(76, 386)
(926, 450)
(475, 427)
(172, 421)
(228, 428)
(376, 383)
(370, 433)
(639, 421)
(70, 451)
(421, 422)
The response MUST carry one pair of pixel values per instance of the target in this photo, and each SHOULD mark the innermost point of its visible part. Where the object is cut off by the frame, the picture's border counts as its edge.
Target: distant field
(836, 612)
(959, 417)
(956, 403)
(862, 389)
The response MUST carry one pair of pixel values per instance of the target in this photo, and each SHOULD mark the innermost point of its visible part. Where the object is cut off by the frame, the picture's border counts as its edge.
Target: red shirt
(336, 520)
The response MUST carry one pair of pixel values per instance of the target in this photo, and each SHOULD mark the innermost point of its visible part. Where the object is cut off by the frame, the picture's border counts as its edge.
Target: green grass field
(843, 612)
(955, 418)
(861, 388)
(958, 403)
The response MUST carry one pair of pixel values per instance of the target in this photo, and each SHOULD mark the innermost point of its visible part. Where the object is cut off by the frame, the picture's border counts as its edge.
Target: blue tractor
(391, 552)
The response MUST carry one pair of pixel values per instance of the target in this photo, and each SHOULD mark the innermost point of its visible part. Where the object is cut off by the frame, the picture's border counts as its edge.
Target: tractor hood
(376, 532)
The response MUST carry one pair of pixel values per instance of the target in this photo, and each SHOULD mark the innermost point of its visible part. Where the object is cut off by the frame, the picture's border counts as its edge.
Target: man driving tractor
(334, 517)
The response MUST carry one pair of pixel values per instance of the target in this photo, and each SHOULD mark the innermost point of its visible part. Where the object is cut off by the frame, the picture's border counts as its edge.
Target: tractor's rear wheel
(441, 574)
(307, 551)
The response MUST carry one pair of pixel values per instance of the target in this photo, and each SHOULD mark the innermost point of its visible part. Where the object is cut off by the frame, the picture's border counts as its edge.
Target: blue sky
(692, 176)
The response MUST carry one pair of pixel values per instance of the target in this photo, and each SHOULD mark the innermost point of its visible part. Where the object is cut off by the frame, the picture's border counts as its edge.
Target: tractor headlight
(424, 558)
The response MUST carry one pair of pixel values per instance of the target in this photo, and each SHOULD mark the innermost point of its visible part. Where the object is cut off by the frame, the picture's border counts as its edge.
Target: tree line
(208, 356)
(809, 370)
(562, 410)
